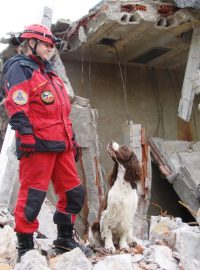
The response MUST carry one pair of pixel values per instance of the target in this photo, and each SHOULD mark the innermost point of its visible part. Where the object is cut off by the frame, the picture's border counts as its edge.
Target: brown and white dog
(116, 217)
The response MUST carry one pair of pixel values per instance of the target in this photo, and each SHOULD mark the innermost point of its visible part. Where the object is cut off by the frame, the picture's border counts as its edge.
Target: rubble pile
(172, 245)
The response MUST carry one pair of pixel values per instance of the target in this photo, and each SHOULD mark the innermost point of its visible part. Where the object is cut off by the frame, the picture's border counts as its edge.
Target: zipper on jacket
(52, 83)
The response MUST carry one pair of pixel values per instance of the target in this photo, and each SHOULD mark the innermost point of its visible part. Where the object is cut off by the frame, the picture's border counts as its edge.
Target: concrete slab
(183, 159)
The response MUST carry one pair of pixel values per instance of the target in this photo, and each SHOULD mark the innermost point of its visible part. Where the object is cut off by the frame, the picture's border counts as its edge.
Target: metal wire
(89, 71)
(123, 85)
(158, 102)
(172, 85)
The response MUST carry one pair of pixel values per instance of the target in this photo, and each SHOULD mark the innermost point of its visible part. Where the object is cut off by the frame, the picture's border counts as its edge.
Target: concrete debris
(187, 3)
(172, 245)
(191, 79)
(181, 159)
(106, 26)
(117, 262)
(32, 260)
(3, 118)
(8, 173)
(184, 238)
(162, 256)
(60, 69)
(81, 33)
(6, 218)
(8, 250)
(61, 25)
(84, 121)
(44, 245)
(133, 136)
(73, 260)
(198, 216)
(162, 228)
(176, 235)
(97, 6)
(189, 264)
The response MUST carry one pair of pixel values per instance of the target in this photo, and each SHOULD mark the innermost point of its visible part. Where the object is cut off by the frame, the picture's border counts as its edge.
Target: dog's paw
(131, 240)
(124, 246)
(110, 248)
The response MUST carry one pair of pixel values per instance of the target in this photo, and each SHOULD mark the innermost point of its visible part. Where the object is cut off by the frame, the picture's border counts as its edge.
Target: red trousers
(35, 173)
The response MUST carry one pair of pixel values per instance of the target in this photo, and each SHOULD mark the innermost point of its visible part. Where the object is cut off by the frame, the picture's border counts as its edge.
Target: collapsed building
(132, 74)
(138, 63)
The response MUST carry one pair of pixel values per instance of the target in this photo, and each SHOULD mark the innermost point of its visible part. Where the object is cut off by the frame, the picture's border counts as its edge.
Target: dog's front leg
(106, 232)
(122, 242)
(130, 238)
(109, 246)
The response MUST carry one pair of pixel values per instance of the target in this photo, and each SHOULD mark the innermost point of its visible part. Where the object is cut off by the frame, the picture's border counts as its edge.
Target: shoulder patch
(20, 97)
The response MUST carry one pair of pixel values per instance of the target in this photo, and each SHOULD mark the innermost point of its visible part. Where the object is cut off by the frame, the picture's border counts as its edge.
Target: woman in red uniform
(39, 107)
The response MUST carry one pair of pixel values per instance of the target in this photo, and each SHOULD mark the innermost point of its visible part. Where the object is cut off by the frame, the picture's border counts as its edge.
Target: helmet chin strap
(33, 50)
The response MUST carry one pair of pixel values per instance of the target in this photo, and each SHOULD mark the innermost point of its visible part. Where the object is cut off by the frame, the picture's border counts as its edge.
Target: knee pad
(33, 204)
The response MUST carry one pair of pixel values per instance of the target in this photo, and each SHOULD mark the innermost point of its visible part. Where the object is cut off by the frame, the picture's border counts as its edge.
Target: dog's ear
(113, 176)
(133, 171)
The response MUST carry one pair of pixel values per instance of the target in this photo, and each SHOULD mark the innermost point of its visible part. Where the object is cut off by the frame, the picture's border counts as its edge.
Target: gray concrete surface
(152, 95)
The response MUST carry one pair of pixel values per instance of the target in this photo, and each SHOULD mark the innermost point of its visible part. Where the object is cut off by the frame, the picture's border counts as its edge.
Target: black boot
(25, 243)
(65, 241)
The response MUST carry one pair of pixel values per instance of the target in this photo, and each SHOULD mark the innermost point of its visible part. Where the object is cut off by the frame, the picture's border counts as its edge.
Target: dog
(116, 216)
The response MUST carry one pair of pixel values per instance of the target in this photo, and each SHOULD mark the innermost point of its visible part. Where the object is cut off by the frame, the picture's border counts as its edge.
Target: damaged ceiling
(148, 33)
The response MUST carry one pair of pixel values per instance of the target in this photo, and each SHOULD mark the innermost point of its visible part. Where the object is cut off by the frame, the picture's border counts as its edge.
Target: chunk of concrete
(117, 262)
(162, 255)
(72, 260)
(8, 252)
(32, 260)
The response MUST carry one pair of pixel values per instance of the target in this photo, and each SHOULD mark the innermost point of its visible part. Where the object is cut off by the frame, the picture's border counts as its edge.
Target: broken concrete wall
(187, 3)
(152, 95)
(179, 162)
(3, 114)
(134, 136)
(84, 121)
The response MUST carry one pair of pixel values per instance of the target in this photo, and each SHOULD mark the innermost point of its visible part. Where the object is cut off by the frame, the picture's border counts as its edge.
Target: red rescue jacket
(37, 103)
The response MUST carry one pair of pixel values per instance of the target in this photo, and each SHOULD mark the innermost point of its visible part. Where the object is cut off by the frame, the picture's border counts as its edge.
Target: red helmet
(38, 31)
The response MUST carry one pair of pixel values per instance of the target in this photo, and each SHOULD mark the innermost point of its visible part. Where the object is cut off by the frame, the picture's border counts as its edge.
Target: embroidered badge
(47, 97)
(20, 97)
